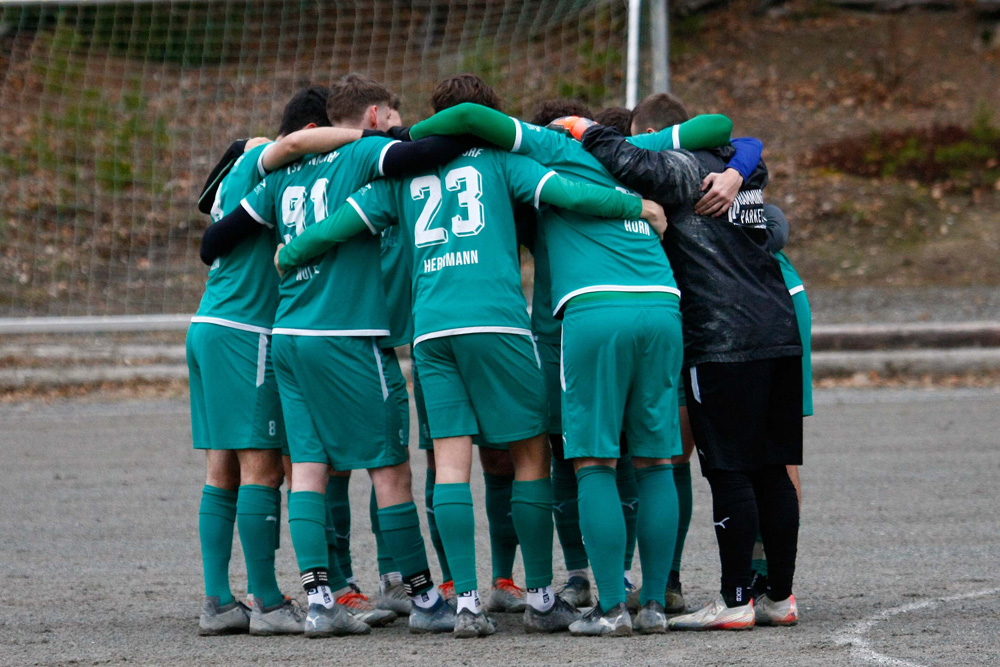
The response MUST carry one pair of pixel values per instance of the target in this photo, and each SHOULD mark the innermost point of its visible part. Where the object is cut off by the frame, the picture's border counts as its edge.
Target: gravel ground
(898, 553)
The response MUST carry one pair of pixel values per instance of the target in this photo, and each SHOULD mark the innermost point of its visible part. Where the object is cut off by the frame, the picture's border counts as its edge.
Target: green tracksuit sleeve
(467, 118)
(590, 199)
(344, 223)
(706, 131)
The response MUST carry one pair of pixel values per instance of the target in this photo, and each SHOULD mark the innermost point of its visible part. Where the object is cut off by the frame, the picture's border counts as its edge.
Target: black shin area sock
(735, 511)
(778, 509)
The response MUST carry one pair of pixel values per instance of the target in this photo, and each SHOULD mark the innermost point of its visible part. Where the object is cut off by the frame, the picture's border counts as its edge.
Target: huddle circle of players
(349, 236)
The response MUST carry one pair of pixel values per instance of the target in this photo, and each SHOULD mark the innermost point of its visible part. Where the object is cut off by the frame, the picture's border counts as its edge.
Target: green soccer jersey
(586, 254)
(397, 262)
(458, 220)
(341, 294)
(544, 325)
(241, 292)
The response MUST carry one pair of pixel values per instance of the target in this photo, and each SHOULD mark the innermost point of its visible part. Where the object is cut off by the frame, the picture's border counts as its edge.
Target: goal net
(112, 113)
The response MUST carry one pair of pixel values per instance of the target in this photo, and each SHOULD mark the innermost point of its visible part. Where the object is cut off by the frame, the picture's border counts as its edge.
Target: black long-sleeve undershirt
(220, 238)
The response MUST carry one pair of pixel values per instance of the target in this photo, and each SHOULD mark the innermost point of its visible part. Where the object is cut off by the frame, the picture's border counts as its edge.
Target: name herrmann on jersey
(451, 259)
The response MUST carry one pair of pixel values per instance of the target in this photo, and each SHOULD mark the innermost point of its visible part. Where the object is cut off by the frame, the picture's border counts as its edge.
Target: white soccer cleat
(784, 612)
(716, 616)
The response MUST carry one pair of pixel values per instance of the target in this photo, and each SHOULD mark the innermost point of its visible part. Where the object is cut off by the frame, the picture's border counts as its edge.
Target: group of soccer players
(349, 236)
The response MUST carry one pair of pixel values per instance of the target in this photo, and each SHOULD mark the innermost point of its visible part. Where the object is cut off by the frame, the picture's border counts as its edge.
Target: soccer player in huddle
(336, 384)
(473, 347)
(235, 409)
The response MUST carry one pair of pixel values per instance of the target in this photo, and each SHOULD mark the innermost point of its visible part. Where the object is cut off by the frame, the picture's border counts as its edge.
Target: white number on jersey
(468, 183)
(293, 205)
(429, 188)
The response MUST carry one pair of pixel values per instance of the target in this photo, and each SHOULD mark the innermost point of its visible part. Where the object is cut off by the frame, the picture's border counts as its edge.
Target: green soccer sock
(503, 536)
(216, 517)
(628, 491)
(258, 508)
(682, 480)
(432, 525)
(603, 527)
(531, 508)
(307, 523)
(759, 563)
(385, 565)
(457, 525)
(338, 537)
(401, 531)
(565, 510)
(656, 529)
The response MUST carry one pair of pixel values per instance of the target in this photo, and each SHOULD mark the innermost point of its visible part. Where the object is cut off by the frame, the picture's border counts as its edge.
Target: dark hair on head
(351, 94)
(553, 109)
(396, 103)
(463, 88)
(619, 118)
(306, 106)
(659, 111)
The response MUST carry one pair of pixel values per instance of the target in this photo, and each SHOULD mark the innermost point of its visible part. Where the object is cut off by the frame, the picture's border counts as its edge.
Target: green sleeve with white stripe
(705, 131)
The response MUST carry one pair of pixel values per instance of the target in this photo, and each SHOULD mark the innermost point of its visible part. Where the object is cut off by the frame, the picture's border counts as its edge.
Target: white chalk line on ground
(853, 634)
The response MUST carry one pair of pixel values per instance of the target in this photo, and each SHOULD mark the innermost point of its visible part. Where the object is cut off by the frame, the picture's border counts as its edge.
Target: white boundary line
(853, 634)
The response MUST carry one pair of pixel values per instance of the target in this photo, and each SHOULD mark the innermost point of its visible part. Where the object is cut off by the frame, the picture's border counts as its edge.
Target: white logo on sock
(721, 524)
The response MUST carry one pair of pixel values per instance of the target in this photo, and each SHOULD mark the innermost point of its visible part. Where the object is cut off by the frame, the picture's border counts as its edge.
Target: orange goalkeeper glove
(574, 126)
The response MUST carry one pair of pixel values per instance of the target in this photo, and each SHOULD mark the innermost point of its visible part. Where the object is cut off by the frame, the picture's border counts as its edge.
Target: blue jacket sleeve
(748, 152)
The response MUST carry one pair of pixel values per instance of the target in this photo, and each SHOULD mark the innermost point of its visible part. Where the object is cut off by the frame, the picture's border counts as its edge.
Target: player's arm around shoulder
(600, 201)
(467, 118)
(300, 143)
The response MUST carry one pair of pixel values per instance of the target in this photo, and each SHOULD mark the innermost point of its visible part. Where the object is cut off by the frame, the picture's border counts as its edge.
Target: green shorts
(549, 354)
(424, 440)
(234, 395)
(621, 363)
(487, 384)
(340, 399)
(803, 315)
(398, 394)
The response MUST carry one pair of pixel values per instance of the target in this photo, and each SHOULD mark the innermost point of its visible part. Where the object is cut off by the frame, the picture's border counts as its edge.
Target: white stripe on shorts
(261, 359)
(562, 367)
(694, 384)
(534, 346)
(381, 372)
